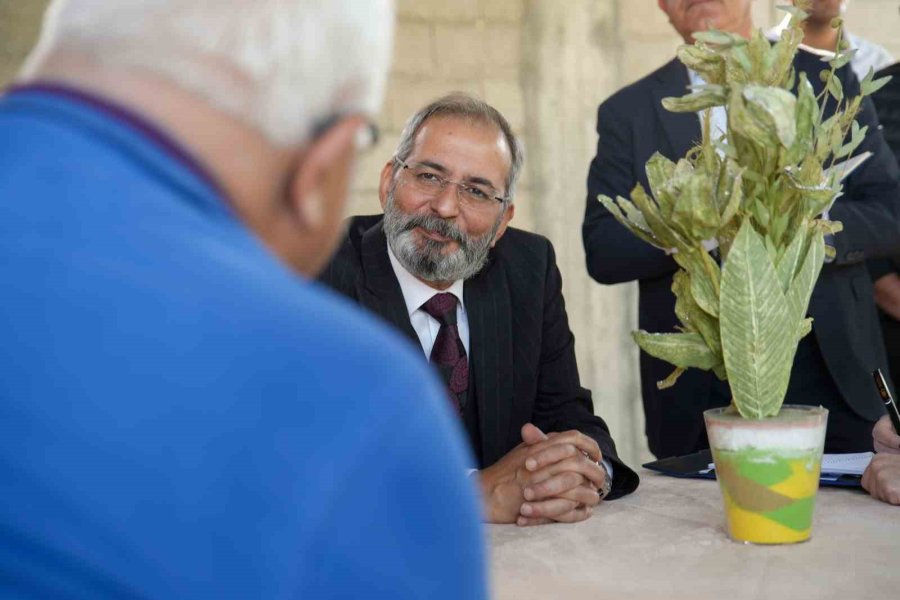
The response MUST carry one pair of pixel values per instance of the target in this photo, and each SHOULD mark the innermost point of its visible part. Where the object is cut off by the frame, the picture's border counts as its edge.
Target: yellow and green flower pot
(768, 471)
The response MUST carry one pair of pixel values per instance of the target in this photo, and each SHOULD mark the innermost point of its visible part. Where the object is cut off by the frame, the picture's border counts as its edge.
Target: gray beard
(424, 258)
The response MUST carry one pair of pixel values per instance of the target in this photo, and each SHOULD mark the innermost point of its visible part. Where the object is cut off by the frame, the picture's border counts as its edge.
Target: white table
(668, 540)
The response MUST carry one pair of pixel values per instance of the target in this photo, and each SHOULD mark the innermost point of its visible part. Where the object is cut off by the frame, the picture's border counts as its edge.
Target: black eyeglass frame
(367, 135)
(404, 165)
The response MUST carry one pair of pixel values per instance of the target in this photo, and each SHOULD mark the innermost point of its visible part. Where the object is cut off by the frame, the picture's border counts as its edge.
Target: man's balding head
(281, 67)
(268, 95)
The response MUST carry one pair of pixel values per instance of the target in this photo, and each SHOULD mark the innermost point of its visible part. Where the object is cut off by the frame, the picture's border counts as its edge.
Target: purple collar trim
(164, 141)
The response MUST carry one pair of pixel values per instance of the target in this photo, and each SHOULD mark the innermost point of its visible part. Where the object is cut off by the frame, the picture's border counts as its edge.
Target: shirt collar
(416, 293)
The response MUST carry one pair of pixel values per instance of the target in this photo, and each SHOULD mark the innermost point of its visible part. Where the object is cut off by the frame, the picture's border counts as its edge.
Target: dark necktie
(448, 353)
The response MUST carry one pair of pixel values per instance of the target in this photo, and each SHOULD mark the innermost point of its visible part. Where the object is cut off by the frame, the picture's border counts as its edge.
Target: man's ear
(322, 172)
(508, 213)
(384, 185)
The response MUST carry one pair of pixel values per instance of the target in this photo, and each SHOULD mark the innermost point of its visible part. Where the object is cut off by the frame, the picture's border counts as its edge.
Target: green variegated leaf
(720, 372)
(733, 197)
(671, 379)
(857, 136)
(683, 350)
(784, 50)
(802, 286)
(705, 61)
(659, 172)
(831, 227)
(758, 331)
(692, 316)
(805, 327)
(834, 87)
(661, 230)
(705, 275)
(694, 213)
(789, 262)
(759, 48)
(738, 68)
(634, 215)
(773, 109)
(705, 284)
(709, 96)
(842, 58)
(807, 114)
(681, 287)
(620, 216)
(827, 134)
(870, 87)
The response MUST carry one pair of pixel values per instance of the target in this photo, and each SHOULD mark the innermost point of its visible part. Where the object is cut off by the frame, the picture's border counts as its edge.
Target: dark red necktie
(448, 353)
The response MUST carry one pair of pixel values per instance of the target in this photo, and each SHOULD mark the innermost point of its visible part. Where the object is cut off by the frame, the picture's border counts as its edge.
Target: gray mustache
(437, 225)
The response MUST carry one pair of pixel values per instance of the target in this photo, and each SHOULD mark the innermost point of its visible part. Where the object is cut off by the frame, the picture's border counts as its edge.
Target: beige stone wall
(20, 21)
(546, 64)
(877, 20)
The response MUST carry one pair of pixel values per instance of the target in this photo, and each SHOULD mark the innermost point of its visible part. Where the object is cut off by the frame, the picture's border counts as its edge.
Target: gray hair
(466, 106)
(282, 67)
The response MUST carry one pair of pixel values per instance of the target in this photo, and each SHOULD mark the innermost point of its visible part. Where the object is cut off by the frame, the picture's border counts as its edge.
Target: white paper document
(846, 464)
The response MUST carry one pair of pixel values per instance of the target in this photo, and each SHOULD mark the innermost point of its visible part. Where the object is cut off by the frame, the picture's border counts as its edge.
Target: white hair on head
(282, 66)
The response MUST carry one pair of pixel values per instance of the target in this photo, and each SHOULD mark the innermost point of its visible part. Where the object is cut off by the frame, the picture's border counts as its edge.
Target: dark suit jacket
(632, 125)
(522, 353)
(887, 104)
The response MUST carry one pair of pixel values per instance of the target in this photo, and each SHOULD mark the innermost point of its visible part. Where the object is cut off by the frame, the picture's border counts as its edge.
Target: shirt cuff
(609, 469)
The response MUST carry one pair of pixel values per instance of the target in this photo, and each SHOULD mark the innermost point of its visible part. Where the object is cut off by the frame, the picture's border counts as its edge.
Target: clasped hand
(545, 479)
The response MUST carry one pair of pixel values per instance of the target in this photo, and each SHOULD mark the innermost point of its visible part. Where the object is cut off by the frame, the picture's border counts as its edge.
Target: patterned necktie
(448, 353)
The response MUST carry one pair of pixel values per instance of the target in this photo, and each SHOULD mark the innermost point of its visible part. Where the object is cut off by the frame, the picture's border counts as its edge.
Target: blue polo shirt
(181, 416)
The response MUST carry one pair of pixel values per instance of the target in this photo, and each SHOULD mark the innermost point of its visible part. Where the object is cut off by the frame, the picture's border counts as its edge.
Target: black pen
(889, 405)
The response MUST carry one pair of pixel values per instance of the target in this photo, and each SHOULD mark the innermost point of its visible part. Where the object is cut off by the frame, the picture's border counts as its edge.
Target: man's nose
(446, 203)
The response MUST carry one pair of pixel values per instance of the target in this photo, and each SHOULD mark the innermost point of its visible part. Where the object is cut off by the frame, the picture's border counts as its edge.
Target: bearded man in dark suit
(485, 303)
(833, 366)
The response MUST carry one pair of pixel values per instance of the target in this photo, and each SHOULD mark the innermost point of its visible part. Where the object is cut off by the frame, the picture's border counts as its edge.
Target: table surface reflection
(668, 540)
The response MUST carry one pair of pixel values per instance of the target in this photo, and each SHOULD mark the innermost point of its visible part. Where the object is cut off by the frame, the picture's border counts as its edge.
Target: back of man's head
(282, 67)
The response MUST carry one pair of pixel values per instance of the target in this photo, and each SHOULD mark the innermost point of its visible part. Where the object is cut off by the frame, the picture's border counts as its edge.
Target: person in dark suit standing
(886, 272)
(833, 366)
(485, 303)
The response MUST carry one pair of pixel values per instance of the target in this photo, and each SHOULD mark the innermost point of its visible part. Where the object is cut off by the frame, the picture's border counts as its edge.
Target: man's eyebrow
(433, 165)
(444, 170)
(481, 181)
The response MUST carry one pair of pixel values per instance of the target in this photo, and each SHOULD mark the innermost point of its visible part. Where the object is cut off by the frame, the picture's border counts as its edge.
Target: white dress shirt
(415, 294)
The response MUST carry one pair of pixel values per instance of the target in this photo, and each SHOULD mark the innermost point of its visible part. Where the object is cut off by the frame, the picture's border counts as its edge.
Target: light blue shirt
(183, 417)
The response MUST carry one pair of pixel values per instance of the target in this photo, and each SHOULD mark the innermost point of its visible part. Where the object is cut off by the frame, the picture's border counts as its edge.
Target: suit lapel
(488, 308)
(381, 292)
(682, 129)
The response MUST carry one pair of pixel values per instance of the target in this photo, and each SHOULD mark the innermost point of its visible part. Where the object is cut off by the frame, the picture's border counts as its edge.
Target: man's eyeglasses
(430, 183)
(366, 136)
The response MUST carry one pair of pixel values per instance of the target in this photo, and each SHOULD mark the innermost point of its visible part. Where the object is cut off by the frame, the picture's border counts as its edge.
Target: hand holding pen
(885, 433)
(885, 438)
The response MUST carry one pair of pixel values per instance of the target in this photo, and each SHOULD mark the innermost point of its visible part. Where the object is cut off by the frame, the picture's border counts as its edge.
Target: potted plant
(742, 215)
